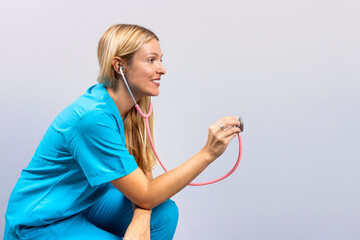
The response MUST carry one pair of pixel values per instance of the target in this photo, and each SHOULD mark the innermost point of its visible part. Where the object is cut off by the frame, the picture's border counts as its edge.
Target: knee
(170, 211)
(165, 216)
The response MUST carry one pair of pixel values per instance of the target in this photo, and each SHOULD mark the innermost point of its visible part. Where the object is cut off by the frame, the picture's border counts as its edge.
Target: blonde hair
(123, 40)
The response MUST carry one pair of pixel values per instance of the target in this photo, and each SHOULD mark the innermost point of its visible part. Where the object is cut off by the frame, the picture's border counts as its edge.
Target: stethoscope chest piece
(241, 126)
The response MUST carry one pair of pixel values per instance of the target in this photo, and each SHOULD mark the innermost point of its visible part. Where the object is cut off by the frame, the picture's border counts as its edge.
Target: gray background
(290, 68)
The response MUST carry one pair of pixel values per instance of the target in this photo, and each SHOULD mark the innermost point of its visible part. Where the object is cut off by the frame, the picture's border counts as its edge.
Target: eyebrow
(154, 53)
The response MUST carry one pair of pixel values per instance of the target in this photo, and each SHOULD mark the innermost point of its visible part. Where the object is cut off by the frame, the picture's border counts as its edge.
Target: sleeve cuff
(107, 177)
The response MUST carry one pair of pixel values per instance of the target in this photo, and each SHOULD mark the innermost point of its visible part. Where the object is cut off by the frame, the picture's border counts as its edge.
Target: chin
(150, 94)
(154, 94)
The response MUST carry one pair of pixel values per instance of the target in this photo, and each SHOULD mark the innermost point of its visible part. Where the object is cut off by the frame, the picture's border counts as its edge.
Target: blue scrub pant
(107, 219)
(110, 216)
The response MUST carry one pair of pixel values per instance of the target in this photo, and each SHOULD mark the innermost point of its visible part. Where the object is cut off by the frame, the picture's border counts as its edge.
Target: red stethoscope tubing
(146, 117)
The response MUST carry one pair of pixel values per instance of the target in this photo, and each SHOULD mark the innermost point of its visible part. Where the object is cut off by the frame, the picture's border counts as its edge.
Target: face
(145, 71)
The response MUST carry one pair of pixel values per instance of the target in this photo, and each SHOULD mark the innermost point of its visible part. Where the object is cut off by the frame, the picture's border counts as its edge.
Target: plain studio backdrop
(291, 69)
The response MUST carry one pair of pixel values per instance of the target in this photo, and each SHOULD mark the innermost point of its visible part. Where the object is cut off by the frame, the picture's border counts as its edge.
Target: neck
(122, 99)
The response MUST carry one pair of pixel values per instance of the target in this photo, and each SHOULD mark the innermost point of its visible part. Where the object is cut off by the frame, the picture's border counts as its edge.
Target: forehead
(150, 47)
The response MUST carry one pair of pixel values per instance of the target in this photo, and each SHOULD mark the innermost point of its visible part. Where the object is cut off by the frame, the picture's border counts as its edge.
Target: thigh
(112, 212)
(81, 228)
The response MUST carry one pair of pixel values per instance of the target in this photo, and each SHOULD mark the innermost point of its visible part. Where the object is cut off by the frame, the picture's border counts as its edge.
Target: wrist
(206, 156)
(141, 218)
(140, 212)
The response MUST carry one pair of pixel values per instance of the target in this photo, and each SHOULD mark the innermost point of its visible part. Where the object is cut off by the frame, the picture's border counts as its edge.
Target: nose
(161, 70)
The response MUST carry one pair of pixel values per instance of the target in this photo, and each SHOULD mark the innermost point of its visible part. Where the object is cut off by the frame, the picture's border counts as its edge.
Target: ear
(116, 63)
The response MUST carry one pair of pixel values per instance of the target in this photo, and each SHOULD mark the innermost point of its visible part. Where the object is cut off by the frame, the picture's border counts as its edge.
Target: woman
(90, 177)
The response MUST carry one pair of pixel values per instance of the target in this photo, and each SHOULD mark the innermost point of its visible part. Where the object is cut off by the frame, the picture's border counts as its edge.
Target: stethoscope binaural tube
(146, 117)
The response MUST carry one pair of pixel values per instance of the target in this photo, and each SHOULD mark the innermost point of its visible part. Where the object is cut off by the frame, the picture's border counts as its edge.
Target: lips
(156, 81)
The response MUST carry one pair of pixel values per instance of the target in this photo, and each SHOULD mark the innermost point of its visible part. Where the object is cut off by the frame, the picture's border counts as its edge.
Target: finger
(225, 119)
(230, 137)
(226, 122)
(229, 132)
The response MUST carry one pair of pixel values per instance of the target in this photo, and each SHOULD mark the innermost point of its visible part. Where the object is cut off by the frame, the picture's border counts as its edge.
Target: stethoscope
(146, 117)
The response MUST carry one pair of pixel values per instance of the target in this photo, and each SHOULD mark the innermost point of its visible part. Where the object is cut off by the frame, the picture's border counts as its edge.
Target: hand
(218, 139)
(139, 228)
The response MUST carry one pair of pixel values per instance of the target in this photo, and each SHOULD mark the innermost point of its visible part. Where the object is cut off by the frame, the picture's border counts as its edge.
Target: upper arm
(135, 187)
(98, 146)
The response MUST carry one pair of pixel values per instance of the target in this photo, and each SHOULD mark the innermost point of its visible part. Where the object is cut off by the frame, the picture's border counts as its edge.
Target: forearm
(148, 193)
(168, 184)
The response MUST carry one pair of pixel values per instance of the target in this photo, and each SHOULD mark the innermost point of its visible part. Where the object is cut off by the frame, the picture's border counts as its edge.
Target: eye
(150, 60)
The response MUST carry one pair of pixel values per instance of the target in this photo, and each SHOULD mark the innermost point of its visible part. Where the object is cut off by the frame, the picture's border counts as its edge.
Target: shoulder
(89, 114)
(96, 119)
(95, 127)
(94, 107)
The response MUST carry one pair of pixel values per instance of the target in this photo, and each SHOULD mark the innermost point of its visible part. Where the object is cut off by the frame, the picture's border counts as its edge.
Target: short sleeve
(98, 145)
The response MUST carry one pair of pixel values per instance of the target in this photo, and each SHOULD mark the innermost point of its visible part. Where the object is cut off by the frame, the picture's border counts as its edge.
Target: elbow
(146, 204)
(146, 198)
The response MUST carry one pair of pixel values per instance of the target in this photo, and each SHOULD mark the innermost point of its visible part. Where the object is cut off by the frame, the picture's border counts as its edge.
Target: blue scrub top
(83, 149)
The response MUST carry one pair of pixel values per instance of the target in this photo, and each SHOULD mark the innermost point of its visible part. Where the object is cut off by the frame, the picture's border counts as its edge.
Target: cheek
(141, 73)
(145, 75)
(148, 72)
